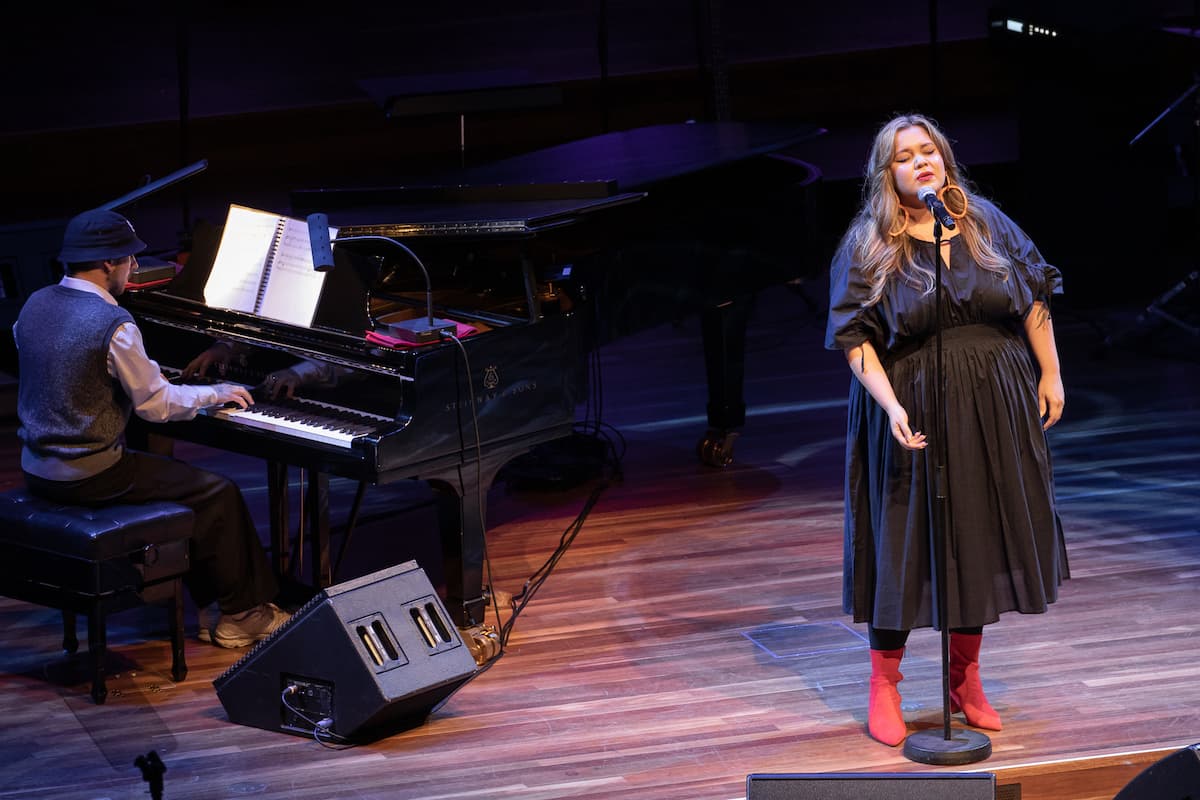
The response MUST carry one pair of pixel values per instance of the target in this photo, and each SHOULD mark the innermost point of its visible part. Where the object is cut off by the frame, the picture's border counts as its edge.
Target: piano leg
(723, 331)
(314, 523)
(277, 508)
(316, 504)
(462, 512)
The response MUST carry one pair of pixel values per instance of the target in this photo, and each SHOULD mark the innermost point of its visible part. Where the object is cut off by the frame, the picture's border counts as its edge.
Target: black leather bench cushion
(92, 550)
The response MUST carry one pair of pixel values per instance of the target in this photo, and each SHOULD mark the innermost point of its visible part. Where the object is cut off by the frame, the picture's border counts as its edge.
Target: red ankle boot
(885, 721)
(966, 690)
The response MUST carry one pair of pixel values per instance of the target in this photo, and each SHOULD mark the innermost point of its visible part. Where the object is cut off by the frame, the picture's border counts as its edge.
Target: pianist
(83, 371)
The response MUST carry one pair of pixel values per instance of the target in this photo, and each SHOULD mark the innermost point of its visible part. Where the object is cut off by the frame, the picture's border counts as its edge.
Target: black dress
(1006, 548)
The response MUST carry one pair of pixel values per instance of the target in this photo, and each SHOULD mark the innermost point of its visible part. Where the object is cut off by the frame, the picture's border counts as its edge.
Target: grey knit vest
(69, 407)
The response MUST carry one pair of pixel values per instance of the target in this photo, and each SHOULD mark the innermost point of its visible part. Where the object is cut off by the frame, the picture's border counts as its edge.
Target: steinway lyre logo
(491, 377)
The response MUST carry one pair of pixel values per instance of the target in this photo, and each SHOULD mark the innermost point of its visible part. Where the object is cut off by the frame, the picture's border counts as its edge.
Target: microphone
(929, 197)
(414, 331)
(319, 243)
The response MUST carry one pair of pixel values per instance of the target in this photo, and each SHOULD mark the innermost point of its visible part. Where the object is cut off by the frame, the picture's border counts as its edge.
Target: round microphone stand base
(933, 747)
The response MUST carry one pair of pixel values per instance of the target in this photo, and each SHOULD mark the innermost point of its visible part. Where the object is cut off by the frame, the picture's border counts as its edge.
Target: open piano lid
(548, 188)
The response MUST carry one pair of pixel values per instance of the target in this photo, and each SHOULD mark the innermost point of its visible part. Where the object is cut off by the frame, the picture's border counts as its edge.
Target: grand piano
(544, 256)
(449, 412)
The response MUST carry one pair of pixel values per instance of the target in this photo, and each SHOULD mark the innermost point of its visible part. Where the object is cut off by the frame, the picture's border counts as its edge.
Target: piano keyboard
(311, 420)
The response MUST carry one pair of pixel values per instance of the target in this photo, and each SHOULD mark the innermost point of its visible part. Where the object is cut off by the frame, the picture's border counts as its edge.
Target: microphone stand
(950, 748)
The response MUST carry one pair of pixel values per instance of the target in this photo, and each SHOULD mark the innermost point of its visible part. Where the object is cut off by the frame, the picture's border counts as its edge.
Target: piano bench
(96, 561)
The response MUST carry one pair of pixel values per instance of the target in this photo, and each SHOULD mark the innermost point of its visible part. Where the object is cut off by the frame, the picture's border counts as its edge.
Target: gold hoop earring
(894, 231)
(962, 198)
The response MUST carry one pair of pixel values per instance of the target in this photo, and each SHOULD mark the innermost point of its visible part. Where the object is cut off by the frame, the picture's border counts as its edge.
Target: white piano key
(326, 428)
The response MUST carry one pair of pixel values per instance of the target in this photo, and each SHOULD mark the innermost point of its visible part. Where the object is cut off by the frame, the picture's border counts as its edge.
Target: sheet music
(257, 248)
(241, 258)
(293, 286)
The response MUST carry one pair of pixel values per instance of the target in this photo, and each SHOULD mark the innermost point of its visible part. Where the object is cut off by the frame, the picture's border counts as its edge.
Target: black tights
(882, 639)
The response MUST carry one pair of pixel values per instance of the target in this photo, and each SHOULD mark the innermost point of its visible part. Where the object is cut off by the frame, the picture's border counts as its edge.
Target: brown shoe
(248, 627)
(206, 619)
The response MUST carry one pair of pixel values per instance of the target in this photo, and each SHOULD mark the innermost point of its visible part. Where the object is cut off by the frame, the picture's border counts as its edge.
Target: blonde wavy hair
(883, 254)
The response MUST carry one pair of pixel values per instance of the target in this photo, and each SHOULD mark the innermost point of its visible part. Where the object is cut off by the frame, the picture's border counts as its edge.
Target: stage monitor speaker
(1176, 777)
(361, 660)
(872, 786)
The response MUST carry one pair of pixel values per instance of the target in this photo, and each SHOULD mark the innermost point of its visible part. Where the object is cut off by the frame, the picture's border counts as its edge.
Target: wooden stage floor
(692, 633)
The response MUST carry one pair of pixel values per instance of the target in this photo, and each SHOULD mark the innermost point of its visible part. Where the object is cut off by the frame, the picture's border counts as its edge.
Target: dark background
(280, 97)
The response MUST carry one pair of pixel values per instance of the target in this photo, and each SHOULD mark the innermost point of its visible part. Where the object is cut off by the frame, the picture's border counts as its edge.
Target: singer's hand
(1051, 399)
(909, 440)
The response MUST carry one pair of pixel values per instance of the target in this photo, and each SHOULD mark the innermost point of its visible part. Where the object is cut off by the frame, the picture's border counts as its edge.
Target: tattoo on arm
(1041, 314)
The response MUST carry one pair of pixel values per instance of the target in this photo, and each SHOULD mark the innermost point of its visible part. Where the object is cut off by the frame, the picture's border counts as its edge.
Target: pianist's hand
(219, 355)
(281, 382)
(230, 393)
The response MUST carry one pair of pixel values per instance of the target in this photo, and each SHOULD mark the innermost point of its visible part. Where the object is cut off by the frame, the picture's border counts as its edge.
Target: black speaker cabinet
(873, 786)
(361, 660)
(1176, 777)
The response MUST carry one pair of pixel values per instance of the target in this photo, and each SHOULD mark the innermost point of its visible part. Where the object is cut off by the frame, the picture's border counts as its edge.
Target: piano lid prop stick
(416, 331)
(154, 186)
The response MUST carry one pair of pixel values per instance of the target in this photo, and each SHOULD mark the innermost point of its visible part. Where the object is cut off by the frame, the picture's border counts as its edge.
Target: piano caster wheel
(483, 641)
(716, 448)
